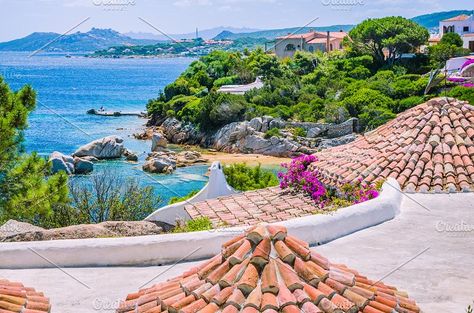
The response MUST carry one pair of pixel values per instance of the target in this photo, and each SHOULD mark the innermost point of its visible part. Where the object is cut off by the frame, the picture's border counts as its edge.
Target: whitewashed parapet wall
(168, 248)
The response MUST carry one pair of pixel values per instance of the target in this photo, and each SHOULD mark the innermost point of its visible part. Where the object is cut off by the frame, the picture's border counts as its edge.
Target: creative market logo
(114, 5)
(343, 5)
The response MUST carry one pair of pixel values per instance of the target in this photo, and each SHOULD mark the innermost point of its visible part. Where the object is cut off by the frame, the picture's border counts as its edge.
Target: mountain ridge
(99, 39)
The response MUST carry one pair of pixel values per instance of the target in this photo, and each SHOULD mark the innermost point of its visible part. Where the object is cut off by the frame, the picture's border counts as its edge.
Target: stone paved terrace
(252, 207)
(440, 279)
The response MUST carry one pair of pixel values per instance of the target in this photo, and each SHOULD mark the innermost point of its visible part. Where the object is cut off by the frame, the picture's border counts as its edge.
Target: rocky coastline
(252, 137)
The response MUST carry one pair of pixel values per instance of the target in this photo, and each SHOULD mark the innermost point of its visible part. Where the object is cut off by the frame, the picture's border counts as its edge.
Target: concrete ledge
(170, 248)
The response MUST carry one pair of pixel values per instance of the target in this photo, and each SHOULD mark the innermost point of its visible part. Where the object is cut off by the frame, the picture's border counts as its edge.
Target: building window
(290, 47)
(311, 49)
(330, 47)
(465, 29)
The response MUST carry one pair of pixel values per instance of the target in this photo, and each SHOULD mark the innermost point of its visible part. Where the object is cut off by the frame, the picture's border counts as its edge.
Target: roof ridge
(267, 270)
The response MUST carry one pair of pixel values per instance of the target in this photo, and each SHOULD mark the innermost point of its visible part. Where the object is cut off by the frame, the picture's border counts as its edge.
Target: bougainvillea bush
(299, 178)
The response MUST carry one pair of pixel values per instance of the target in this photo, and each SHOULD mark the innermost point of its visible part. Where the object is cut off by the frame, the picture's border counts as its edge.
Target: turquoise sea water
(68, 87)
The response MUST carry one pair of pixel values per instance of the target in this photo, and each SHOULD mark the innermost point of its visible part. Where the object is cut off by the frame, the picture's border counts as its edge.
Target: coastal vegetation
(243, 177)
(27, 190)
(198, 224)
(450, 46)
(174, 200)
(191, 48)
(327, 87)
(30, 192)
(301, 178)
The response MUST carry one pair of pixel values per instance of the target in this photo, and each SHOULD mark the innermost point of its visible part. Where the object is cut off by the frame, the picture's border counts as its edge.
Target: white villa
(462, 25)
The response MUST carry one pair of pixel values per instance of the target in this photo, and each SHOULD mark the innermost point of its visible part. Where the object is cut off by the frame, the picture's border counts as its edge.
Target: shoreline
(249, 159)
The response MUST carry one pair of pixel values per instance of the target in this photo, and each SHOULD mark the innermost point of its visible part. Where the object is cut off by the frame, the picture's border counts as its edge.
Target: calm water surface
(68, 87)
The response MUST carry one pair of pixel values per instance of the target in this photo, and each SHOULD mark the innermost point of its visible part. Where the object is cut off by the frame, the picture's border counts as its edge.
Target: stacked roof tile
(15, 298)
(267, 270)
(252, 207)
(428, 148)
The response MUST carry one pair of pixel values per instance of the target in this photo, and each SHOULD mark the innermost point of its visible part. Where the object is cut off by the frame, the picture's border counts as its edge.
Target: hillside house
(286, 46)
(462, 25)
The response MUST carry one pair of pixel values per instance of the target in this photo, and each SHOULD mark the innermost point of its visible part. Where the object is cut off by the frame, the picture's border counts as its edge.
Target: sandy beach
(249, 159)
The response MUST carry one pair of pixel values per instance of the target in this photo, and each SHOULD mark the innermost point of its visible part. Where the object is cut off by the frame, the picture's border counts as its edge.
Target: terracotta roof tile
(310, 286)
(253, 207)
(428, 148)
(15, 297)
(457, 18)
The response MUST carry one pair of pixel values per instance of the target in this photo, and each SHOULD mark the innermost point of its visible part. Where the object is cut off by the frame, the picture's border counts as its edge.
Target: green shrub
(298, 132)
(228, 80)
(219, 109)
(109, 197)
(335, 112)
(183, 198)
(244, 178)
(272, 132)
(191, 111)
(198, 224)
(408, 103)
(373, 116)
(452, 39)
(463, 93)
(179, 87)
(364, 97)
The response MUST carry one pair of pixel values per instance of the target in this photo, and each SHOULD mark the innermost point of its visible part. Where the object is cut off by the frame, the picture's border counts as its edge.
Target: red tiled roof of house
(426, 148)
(252, 207)
(321, 40)
(305, 36)
(268, 270)
(311, 35)
(14, 297)
(461, 17)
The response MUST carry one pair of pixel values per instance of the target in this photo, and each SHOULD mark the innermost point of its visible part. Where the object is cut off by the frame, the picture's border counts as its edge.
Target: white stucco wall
(167, 248)
(217, 186)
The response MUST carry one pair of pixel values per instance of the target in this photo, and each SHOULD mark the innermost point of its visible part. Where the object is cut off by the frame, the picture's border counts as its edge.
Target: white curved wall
(216, 187)
(167, 248)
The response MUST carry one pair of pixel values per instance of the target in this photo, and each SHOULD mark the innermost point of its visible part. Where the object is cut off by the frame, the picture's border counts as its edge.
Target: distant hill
(273, 33)
(205, 34)
(431, 21)
(100, 39)
(95, 39)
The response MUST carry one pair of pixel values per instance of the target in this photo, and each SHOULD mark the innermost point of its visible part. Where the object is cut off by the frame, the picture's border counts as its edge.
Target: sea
(68, 86)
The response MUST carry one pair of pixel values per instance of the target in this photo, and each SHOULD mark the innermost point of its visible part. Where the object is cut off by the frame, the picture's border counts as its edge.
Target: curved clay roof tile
(436, 138)
(307, 282)
(15, 297)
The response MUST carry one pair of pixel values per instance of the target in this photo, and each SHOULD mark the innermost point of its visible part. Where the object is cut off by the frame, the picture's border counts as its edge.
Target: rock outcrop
(13, 228)
(241, 137)
(158, 141)
(110, 147)
(70, 165)
(61, 162)
(166, 161)
(30, 232)
(158, 164)
(249, 136)
(130, 156)
(181, 133)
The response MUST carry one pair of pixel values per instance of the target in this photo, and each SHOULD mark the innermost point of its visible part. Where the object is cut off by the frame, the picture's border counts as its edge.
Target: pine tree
(28, 191)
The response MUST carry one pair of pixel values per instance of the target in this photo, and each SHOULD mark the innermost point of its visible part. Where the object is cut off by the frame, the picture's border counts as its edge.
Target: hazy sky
(19, 18)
